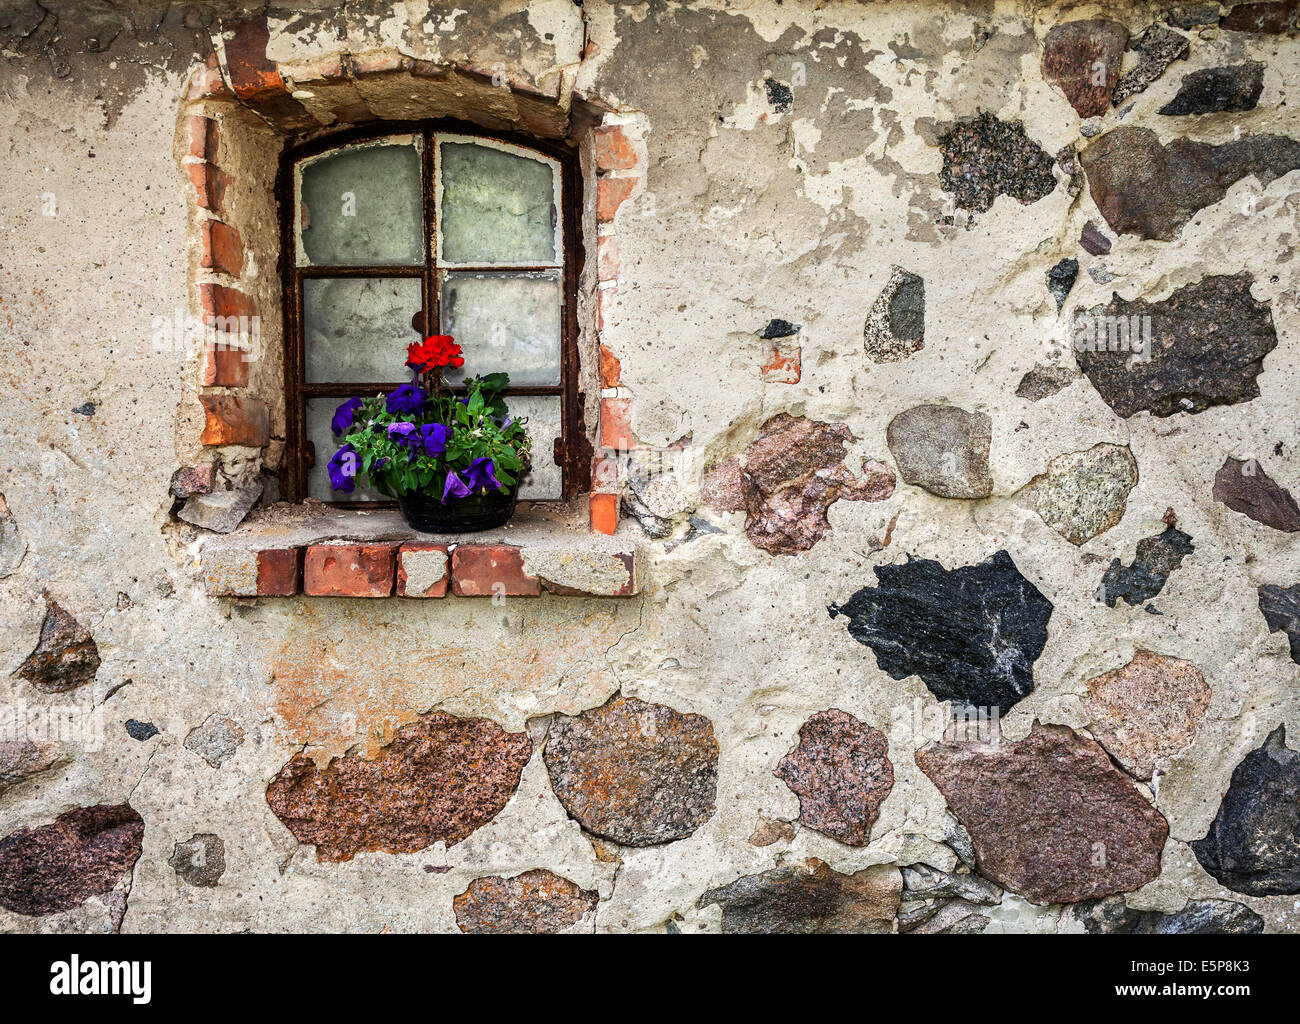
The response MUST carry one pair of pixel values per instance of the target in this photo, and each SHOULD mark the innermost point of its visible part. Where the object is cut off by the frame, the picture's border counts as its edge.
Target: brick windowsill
(321, 551)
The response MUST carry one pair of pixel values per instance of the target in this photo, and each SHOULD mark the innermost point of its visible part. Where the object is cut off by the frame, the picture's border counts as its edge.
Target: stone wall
(940, 366)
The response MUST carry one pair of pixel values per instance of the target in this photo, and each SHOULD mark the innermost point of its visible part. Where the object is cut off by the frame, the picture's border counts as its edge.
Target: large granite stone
(840, 773)
(535, 902)
(972, 634)
(984, 158)
(1050, 816)
(1084, 59)
(1207, 344)
(1147, 711)
(1084, 494)
(441, 778)
(792, 473)
(83, 853)
(635, 773)
(1146, 189)
(944, 449)
(809, 898)
(1253, 845)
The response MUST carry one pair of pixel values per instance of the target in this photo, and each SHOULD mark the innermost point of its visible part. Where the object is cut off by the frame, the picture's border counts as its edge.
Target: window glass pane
(495, 206)
(543, 412)
(357, 328)
(507, 322)
(319, 413)
(362, 206)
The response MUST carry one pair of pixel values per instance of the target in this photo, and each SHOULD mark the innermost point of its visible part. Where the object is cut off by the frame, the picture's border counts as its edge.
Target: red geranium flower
(434, 353)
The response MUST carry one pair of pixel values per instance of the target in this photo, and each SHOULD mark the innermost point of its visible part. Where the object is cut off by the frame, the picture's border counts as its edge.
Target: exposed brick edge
(374, 569)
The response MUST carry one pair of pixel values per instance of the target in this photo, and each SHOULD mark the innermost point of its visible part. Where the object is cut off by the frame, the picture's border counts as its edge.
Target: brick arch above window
(242, 110)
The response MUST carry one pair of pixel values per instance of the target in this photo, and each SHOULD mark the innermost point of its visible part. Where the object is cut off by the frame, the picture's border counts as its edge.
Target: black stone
(972, 634)
(778, 329)
(984, 158)
(85, 409)
(140, 730)
(1253, 845)
(907, 308)
(1156, 558)
(779, 95)
(1235, 87)
(1112, 916)
(1060, 279)
(1208, 341)
(1281, 609)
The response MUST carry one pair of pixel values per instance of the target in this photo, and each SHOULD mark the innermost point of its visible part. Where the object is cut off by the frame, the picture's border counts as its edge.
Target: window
(471, 233)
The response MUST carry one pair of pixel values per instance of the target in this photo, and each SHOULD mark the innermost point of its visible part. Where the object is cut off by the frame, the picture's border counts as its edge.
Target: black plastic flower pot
(428, 514)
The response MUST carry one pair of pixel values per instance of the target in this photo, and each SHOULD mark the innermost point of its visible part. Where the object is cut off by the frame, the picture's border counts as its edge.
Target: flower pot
(428, 514)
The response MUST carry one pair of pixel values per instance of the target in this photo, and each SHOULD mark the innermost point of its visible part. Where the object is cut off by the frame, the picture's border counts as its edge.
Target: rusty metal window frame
(299, 457)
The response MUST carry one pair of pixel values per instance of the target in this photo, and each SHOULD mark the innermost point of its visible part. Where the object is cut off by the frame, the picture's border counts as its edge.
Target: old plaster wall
(794, 157)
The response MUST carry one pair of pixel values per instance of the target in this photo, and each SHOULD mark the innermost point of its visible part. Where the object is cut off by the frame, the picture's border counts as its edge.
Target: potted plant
(453, 463)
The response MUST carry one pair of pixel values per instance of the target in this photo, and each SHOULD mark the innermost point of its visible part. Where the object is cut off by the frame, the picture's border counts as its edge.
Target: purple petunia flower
(481, 473)
(405, 399)
(404, 434)
(344, 415)
(435, 437)
(455, 487)
(343, 468)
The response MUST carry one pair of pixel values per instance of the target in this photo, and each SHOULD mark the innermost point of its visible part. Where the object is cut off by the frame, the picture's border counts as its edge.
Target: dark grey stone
(972, 634)
(1156, 558)
(778, 329)
(1207, 344)
(1112, 916)
(1060, 279)
(1044, 381)
(1253, 845)
(1212, 90)
(1281, 609)
(140, 730)
(200, 860)
(984, 158)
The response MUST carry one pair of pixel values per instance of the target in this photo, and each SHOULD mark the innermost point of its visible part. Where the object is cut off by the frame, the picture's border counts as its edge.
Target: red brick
(349, 570)
(614, 150)
(611, 370)
(607, 258)
(251, 72)
(616, 424)
(204, 137)
(234, 420)
(226, 362)
(279, 571)
(438, 588)
(610, 193)
(210, 183)
(489, 570)
(222, 248)
(378, 61)
(221, 302)
(783, 368)
(604, 513)
(225, 366)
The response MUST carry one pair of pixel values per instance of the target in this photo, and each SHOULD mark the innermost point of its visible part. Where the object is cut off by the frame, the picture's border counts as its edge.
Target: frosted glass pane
(495, 207)
(319, 413)
(357, 328)
(362, 206)
(543, 412)
(507, 322)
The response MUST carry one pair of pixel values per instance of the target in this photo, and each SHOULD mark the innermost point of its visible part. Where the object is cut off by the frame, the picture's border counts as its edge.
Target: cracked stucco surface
(747, 215)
